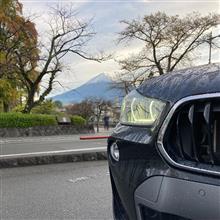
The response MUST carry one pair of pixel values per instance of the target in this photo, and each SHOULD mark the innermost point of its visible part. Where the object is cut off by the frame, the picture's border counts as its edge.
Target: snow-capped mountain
(97, 87)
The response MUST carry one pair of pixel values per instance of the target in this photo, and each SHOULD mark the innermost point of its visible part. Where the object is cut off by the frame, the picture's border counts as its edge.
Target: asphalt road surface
(49, 143)
(78, 191)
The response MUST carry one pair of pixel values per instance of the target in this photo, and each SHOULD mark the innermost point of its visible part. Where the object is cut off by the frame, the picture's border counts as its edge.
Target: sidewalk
(54, 138)
(51, 149)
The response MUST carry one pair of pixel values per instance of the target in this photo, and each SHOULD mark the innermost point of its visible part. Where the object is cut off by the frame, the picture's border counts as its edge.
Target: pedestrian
(106, 122)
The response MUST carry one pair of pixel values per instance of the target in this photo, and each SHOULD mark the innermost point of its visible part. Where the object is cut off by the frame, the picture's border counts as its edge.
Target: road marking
(61, 152)
(84, 178)
(80, 179)
(55, 139)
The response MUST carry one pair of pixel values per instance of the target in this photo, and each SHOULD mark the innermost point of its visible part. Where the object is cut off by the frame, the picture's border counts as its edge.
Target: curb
(42, 158)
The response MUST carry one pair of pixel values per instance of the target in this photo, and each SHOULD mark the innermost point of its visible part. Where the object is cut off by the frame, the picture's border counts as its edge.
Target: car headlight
(140, 110)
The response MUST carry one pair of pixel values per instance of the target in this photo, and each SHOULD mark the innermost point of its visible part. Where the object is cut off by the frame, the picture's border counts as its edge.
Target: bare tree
(130, 76)
(121, 82)
(67, 35)
(213, 43)
(84, 109)
(169, 43)
(99, 107)
(91, 109)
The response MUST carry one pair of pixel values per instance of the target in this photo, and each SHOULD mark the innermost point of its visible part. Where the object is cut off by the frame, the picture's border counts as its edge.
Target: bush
(78, 120)
(47, 107)
(18, 108)
(19, 120)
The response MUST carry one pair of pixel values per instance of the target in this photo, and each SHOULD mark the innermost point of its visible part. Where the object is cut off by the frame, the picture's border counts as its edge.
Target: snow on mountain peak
(102, 77)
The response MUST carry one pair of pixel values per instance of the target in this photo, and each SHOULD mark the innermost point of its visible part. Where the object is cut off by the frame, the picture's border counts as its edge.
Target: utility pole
(210, 47)
(211, 44)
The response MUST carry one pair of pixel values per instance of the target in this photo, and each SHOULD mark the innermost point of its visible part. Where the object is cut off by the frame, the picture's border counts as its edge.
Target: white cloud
(107, 15)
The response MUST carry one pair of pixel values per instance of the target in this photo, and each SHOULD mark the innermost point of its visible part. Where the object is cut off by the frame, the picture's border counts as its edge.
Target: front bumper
(181, 198)
(145, 187)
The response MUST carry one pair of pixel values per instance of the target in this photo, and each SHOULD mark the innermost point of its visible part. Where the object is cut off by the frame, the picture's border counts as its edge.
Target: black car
(164, 155)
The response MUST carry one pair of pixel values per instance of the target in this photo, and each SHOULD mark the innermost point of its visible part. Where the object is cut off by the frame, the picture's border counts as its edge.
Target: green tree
(17, 33)
(47, 107)
(8, 95)
(58, 104)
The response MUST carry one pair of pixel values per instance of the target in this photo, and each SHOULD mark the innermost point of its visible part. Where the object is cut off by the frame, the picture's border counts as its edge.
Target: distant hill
(97, 87)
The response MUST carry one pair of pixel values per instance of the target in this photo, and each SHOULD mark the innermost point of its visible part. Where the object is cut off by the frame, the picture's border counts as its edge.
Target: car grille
(192, 136)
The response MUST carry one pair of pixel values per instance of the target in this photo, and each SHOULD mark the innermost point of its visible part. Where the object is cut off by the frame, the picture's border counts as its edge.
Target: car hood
(171, 87)
(176, 85)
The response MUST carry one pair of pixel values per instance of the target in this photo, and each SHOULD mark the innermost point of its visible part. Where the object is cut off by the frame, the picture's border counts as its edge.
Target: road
(49, 143)
(79, 191)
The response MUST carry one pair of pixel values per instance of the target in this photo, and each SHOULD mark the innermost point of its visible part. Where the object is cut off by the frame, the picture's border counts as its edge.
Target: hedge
(77, 120)
(19, 120)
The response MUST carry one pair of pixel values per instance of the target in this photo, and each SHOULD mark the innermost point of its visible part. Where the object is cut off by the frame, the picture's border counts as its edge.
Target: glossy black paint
(137, 162)
(176, 85)
(139, 156)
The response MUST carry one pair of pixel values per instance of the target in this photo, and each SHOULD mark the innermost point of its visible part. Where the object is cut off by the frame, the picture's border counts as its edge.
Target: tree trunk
(29, 105)
(97, 126)
(5, 107)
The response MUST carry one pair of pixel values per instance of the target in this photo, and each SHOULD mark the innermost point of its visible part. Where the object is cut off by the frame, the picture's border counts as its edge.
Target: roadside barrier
(93, 137)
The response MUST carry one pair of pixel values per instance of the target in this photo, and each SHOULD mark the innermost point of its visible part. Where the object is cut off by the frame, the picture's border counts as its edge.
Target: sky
(106, 16)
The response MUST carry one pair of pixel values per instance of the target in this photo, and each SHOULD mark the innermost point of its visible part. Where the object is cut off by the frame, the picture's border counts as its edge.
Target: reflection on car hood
(179, 84)
(131, 133)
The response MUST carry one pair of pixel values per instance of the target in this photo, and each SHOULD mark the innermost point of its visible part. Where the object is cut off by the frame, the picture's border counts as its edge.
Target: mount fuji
(97, 87)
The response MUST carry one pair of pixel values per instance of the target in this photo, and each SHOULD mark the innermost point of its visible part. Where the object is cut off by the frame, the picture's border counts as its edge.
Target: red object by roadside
(93, 137)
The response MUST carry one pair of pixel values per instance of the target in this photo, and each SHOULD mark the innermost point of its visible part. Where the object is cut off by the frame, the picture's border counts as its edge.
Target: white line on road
(36, 140)
(53, 153)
